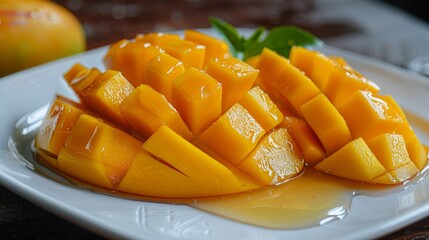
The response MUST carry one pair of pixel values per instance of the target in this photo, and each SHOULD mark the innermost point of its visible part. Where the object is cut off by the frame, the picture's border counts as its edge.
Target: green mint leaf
(229, 33)
(254, 38)
(281, 40)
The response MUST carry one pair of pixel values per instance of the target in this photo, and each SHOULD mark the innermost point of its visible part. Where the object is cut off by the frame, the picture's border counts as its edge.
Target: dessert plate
(113, 217)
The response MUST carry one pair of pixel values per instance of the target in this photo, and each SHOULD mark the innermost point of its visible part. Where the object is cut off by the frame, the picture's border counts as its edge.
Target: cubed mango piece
(368, 116)
(215, 48)
(158, 39)
(306, 140)
(113, 58)
(194, 163)
(234, 134)
(327, 123)
(134, 59)
(145, 110)
(390, 149)
(302, 58)
(354, 161)
(274, 159)
(81, 82)
(236, 77)
(262, 108)
(190, 53)
(105, 94)
(270, 67)
(253, 61)
(294, 86)
(417, 152)
(93, 148)
(398, 175)
(57, 124)
(198, 98)
(76, 70)
(161, 71)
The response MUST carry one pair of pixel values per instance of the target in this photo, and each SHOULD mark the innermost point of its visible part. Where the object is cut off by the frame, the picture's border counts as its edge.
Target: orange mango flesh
(145, 110)
(238, 130)
(215, 48)
(161, 72)
(233, 136)
(105, 94)
(198, 98)
(236, 77)
(58, 124)
(274, 159)
(97, 146)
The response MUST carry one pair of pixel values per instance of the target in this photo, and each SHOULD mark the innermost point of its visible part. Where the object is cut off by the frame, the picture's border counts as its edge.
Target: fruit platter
(190, 141)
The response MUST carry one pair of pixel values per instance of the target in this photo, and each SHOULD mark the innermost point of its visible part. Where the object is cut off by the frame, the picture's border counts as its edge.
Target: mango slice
(134, 58)
(96, 151)
(194, 163)
(145, 110)
(354, 161)
(105, 94)
(398, 175)
(369, 116)
(306, 140)
(198, 98)
(215, 48)
(236, 77)
(262, 108)
(275, 159)
(236, 129)
(190, 53)
(327, 123)
(161, 72)
(57, 124)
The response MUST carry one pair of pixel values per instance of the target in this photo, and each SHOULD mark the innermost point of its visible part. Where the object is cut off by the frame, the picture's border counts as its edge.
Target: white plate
(112, 217)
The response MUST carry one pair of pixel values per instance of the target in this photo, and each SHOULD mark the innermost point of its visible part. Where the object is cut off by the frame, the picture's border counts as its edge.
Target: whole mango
(34, 32)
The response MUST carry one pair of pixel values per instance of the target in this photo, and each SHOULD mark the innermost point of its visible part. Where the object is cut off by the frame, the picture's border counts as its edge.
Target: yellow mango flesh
(270, 66)
(198, 98)
(236, 77)
(94, 145)
(158, 39)
(233, 135)
(398, 175)
(79, 83)
(327, 123)
(113, 57)
(390, 150)
(134, 58)
(57, 125)
(105, 94)
(354, 161)
(215, 48)
(145, 110)
(74, 71)
(306, 140)
(161, 72)
(194, 163)
(369, 116)
(262, 108)
(275, 158)
(302, 58)
(190, 53)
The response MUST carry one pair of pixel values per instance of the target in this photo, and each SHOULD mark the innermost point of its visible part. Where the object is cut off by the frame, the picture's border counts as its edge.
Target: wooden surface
(345, 24)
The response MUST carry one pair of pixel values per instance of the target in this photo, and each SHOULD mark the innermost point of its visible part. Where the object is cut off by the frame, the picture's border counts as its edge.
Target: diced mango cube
(81, 82)
(134, 59)
(161, 71)
(215, 48)
(390, 150)
(396, 176)
(93, 145)
(302, 58)
(270, 67)
(327, 123)
(194, 163)
(306, 140)
(158, 39)
(145, 110)
(105, 94)
(417, 152)
(274, 159)
(369, 116)
(294, 86)
(198, 98)
(236, 77)
(262, 108)
(253, 61)
(190, 53)
(354, 161)
(234, 134)
(57, 124)
(76, 70)
(113, 57)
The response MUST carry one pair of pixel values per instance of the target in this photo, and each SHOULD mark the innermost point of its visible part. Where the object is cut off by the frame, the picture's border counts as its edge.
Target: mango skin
(33, 32)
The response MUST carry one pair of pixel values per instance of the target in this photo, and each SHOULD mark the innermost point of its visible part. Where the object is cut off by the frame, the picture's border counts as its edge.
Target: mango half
(173, 118)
